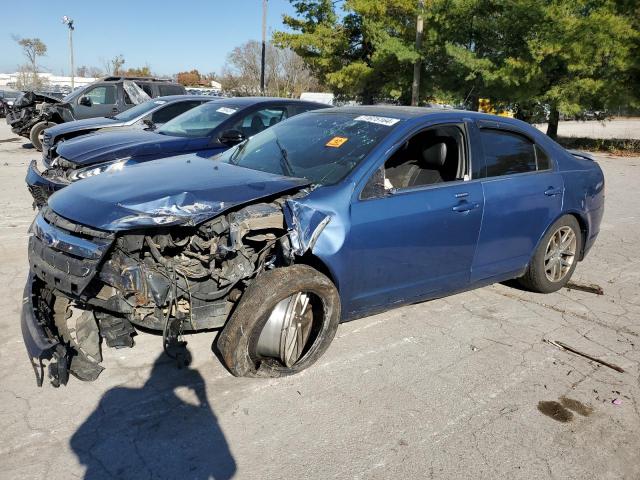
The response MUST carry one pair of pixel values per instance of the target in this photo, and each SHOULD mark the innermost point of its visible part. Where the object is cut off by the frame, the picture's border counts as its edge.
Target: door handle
(552, 192)
(465, 206)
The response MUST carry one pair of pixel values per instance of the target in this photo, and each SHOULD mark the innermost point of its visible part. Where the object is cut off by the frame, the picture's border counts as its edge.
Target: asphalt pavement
(459, 388)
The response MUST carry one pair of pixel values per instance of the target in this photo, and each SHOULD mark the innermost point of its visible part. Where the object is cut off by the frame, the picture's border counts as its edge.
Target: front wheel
(555, 258)
(284, 322)
(37, 133)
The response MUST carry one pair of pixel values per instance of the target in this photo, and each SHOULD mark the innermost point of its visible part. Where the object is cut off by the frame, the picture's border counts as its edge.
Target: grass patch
(626, 147)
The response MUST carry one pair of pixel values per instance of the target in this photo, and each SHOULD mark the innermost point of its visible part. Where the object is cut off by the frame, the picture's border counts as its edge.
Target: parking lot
(447, 389)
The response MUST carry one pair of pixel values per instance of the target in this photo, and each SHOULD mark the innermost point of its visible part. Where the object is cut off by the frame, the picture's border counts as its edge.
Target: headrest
(435, 155)
(257, 124)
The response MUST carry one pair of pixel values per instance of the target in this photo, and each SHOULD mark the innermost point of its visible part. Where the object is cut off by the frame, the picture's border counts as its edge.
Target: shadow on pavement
(165, 429)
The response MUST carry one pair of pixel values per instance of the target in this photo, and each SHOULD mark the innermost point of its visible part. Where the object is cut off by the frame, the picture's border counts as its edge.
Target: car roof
(407, 113)
(247, 101)
(173, 98)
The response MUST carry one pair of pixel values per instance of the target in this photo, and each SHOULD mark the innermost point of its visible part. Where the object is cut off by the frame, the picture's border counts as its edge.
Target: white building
(10, 79)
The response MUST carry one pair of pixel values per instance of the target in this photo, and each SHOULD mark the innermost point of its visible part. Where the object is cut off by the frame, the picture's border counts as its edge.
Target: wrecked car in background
(330, 216)
(34, 112)
(207, 129)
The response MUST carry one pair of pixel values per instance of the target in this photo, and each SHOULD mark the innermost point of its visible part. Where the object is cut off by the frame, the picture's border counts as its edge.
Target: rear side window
(170, 90)
(170, 111)
(507, 153)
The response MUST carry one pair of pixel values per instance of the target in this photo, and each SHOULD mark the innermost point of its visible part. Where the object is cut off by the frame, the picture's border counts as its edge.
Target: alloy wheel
(560, 254)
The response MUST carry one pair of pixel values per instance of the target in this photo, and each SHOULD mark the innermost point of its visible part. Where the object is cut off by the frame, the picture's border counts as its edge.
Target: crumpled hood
(107, 146)
(183, 190)
(85, 124)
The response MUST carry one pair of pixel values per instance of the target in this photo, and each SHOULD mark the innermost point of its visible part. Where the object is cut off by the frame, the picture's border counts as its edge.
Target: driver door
(415, 241)
(103, 102)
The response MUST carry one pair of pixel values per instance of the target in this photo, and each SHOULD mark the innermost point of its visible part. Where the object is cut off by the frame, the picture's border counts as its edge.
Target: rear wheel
(37, 133)
(556, 257)
(284, 322)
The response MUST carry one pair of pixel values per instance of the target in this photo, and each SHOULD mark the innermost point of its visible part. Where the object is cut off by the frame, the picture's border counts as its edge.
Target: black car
(34, 112)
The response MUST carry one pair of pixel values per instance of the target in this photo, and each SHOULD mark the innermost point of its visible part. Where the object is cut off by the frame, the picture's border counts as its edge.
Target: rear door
(523, 196)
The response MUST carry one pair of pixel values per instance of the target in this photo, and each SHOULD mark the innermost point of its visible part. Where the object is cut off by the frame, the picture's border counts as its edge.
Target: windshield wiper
(240, 147)
(287, 168)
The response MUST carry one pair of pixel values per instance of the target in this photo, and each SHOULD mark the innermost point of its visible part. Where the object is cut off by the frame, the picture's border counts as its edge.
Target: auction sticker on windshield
(388, 121)
(226, 110)
(336, 142)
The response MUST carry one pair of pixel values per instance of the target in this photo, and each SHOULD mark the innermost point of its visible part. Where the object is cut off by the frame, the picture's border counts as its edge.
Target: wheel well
(314, 262)
(584, 230)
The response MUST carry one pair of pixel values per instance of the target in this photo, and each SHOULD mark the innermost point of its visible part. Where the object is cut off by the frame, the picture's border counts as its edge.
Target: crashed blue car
(330, 216)
(206, 130)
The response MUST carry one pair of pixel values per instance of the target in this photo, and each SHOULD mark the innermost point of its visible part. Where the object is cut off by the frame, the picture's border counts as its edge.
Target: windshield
(139, 110)
(321, 147)
(199, 121)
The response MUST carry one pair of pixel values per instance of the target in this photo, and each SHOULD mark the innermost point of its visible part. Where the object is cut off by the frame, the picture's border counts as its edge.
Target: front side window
(102, 95)
(169, 112)
(430, 157)
(260, 120)
(200, 121)
(321, 147)
(506, 153)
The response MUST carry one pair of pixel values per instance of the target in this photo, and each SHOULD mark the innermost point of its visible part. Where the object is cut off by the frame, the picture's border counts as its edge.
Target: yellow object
(484, 105)
(336, 142)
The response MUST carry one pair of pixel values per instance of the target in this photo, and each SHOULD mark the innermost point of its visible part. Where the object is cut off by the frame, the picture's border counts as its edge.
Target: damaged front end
(167, 272)
(32, 108)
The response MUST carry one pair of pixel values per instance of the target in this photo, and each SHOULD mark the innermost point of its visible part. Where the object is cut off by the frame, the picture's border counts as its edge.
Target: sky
(169, 36)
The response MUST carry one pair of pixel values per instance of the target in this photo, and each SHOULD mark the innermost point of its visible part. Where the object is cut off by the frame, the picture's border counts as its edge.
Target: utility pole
(69, 23)
(264, 45)
(417, 67)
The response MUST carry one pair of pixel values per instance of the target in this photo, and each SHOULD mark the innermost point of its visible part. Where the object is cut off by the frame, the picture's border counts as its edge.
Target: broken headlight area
(99, 287)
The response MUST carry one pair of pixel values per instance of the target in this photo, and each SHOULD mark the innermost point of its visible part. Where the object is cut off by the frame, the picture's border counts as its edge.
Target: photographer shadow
(165, 429)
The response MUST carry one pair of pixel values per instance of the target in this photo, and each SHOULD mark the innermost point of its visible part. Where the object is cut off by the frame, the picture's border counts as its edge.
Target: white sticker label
(226, 110)
(379, 120)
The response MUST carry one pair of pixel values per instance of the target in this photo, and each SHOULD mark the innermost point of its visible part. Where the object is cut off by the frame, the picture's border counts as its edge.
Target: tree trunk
(552, 127)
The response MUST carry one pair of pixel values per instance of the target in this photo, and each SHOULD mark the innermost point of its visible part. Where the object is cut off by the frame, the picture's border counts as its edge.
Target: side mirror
(231, 137)
(149, 124)
(86, 101)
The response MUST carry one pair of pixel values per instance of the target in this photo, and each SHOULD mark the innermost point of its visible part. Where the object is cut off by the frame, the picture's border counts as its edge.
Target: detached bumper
(40, 345)
(41, 187)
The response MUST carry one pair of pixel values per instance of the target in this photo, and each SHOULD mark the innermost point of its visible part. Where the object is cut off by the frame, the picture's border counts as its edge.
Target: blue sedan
(333, 215)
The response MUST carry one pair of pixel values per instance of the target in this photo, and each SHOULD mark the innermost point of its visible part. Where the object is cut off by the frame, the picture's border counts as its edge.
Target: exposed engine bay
(95, 287)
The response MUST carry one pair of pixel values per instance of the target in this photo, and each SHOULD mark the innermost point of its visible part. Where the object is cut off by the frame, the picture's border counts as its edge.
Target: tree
(368, 52)
(285, 72)
(32, 48)
(114, 65)
(138, 72)
(91, 72)
(192, 78)
(568, 55)
(556, 55)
